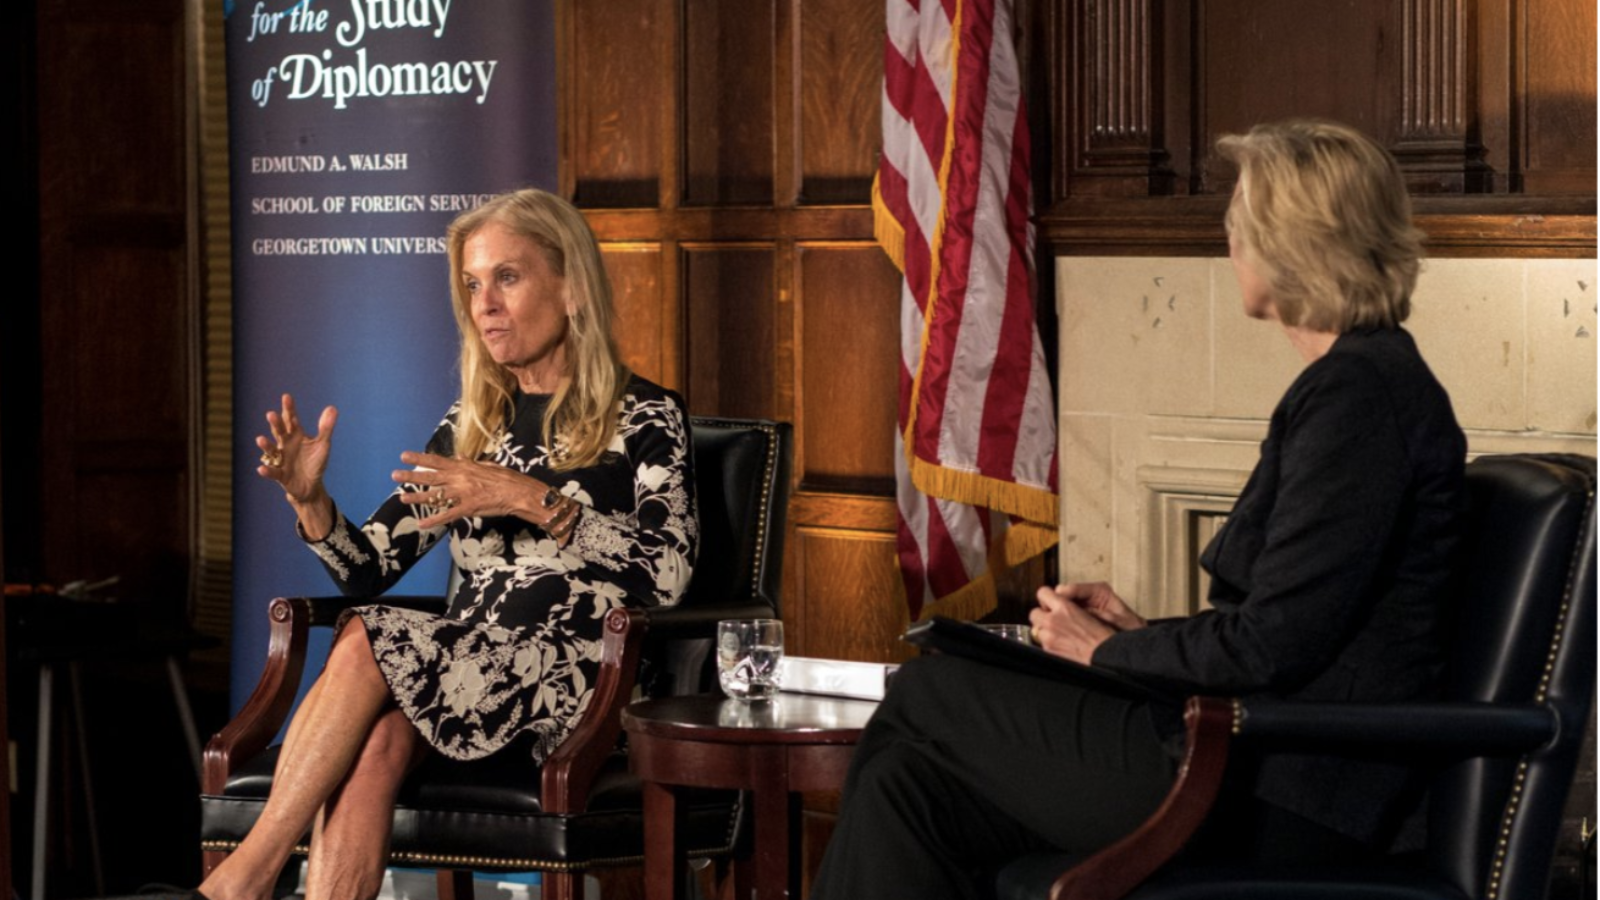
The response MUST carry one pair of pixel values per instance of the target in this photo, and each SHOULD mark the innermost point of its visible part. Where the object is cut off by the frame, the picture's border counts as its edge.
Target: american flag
(976, 450)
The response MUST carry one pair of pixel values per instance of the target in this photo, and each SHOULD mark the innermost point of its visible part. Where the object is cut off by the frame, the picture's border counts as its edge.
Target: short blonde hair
(1323, 210)
(582, 416)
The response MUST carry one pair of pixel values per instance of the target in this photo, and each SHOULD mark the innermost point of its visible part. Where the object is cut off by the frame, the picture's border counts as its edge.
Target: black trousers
(966, 766)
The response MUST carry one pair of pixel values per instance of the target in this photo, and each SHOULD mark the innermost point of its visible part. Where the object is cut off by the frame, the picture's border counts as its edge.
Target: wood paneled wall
(1486, 103)
(724, 153)
(115, 339)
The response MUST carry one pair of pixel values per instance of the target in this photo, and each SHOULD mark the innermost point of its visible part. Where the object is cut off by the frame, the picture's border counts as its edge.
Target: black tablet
(974, 642)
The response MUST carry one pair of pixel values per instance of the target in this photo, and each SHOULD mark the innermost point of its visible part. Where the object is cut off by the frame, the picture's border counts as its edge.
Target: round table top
(784, 719)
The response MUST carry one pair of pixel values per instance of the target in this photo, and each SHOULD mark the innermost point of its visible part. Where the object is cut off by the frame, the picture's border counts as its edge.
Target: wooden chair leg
(454, 884)
(559, 885)
(616, 882)
(722, 881)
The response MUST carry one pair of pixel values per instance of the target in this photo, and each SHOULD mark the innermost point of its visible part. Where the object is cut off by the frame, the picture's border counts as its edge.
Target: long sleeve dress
(519, 648)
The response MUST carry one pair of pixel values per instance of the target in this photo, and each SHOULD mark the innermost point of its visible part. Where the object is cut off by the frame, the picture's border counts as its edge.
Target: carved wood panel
(1558, 113)
(836, 164)
(1113, 45)
(857, 570)
(1254, 65)
(615, 139)
(642, 310)
(1475, 99)
(728, 114)
(728, 297)
(849, 302)
(1437, 143)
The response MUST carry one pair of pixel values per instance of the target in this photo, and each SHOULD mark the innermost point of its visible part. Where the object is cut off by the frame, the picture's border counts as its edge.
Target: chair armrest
(325, 611)
(1119, 868)
(570, 770)
(262, 715)
(1463, 729)
(1459, 729)
(682, 643)
(672, 623)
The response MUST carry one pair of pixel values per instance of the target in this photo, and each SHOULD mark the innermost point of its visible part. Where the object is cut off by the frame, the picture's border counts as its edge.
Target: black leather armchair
(1505, 741)
(582, 809)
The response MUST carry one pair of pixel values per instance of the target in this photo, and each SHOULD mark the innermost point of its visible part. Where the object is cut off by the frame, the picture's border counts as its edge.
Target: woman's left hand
(450, 489)
(1062, 627)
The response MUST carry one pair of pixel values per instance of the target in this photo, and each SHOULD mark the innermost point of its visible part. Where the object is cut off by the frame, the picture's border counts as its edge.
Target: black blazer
(1330, 578)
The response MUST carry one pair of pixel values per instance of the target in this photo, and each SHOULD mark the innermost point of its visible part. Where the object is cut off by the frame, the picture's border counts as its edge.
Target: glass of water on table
(748, 651)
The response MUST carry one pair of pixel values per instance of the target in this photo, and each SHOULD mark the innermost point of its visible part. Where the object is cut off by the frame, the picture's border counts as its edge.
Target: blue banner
(359, 129)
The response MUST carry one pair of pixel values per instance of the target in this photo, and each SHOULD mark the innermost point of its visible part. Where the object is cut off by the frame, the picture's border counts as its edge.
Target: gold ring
(271, 459)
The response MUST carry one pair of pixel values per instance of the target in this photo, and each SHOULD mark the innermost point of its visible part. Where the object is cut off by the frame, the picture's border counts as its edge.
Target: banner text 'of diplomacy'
(307, 76)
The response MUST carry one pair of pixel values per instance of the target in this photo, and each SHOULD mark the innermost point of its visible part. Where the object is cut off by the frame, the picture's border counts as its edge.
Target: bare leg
(328, 731)
(351, 837)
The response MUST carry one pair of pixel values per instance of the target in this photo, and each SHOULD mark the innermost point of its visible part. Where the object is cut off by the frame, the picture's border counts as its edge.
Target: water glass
(748, 651)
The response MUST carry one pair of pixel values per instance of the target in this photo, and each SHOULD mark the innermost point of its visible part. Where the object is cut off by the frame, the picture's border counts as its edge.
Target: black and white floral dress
(519, 649)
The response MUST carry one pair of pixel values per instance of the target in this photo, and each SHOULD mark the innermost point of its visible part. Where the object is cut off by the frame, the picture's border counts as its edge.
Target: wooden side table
(773, 749)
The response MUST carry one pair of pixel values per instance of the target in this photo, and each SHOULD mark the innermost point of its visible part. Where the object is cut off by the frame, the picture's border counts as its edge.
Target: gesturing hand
(447, 489)
(1073, 619)
(294, 459)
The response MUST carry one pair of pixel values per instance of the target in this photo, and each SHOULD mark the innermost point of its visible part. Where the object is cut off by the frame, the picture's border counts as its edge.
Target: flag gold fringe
(887, 230)
(1025, 540)
(974, 600)
(973, 489)
(1021, 542)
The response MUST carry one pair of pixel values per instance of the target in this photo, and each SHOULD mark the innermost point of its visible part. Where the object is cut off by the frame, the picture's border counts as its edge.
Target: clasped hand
(447, 489)
(1073, 619)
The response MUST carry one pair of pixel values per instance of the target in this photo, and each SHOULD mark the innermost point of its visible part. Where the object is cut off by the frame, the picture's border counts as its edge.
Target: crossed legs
(965, 766)
(341, 765)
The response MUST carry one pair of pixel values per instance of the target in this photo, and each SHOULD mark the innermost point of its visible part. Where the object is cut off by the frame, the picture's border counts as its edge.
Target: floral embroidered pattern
(332, 560)
(519, 649)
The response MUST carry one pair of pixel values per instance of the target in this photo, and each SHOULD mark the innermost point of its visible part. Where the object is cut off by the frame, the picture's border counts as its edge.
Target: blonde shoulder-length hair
(1323, 210)
(581, 419)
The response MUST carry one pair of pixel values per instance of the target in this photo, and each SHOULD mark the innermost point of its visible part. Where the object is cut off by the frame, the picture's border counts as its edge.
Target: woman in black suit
(1328, 583)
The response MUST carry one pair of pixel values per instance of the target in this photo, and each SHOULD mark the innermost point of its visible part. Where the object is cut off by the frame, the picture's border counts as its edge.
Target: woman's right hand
(1073, 619)
(1100, 601)
(296, 461)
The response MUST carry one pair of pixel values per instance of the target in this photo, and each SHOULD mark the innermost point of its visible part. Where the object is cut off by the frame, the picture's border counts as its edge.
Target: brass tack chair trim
(450, 861)
(1514, 801)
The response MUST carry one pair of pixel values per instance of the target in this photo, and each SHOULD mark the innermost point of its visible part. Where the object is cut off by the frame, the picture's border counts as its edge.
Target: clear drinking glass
(748, 651)
(1022, 634)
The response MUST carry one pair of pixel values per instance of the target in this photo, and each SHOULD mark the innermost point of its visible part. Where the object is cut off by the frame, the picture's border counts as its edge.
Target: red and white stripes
(977, 422)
